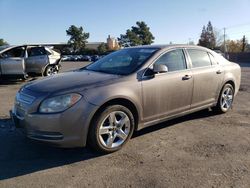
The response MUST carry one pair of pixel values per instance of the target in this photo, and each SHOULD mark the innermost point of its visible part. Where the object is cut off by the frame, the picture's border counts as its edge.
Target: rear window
(199, 58)
(214, 62)
(220, 59)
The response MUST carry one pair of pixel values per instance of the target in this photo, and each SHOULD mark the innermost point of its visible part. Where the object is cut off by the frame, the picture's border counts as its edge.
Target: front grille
(20, 112)
(22, 103)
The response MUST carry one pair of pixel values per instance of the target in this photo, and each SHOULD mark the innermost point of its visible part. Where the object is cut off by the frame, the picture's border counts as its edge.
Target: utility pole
(224, 40)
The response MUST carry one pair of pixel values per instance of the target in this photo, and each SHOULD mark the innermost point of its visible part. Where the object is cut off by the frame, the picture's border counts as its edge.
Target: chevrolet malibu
(103, 103)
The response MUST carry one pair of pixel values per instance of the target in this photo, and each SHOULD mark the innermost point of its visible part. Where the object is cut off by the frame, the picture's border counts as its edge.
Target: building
(93, 45)
(112, 43)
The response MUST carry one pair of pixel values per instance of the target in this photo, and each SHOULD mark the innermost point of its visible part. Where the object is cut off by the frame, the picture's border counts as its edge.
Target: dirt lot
(198, 150)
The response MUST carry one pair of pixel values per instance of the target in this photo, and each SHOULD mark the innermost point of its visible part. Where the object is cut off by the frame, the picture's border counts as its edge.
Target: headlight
(59, 103)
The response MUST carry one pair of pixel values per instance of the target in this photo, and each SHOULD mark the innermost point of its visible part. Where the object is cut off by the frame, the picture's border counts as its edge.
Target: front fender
(128, 91)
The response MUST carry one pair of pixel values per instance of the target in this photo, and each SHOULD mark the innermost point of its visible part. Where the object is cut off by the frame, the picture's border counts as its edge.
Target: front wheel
(225, 100)
(111, 129)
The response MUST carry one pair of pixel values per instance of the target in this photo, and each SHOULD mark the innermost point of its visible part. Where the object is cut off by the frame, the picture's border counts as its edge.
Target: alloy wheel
(114, 129)
(51, 71)
(226, 99)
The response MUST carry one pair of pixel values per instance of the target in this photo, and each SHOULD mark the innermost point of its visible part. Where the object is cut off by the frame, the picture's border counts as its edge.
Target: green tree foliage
(78, 38)
(207, 38)
(234, 46)
(3, 42)
(137, 35)
(88, 51)
(237, 46)
(102, 48)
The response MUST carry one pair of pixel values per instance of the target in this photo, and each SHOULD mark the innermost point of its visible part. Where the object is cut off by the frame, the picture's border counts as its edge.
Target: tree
(207, 38)
(203, 37)
(219, 38)
(137, 35)
(102, 48)
(3, 42)
(234, 46)
(78, 38)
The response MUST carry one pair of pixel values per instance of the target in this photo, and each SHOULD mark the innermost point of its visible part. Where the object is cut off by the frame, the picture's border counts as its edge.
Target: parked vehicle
(65, 58)
(95, 58)
(105, 102)
(86, 58)
(70, 58)
(23, 60)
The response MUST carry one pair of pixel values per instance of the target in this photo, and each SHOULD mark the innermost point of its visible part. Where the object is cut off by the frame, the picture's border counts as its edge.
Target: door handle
(219, 71)
(186, 77)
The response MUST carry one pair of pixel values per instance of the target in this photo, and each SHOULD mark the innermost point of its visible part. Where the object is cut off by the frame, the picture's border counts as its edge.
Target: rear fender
(54, 61)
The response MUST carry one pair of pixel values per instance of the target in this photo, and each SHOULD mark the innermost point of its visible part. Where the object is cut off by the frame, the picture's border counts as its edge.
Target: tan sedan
(105, 102)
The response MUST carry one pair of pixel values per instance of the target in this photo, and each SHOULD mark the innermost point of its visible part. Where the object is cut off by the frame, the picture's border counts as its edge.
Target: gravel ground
(198, 150)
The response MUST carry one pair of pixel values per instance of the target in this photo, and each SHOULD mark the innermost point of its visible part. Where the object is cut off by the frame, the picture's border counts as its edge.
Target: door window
(14, 52)
(199, 58)
(214, 62)
(36, 51)
(174, 60)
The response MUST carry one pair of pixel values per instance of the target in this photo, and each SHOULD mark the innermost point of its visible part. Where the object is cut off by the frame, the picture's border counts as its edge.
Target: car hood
(76, 80)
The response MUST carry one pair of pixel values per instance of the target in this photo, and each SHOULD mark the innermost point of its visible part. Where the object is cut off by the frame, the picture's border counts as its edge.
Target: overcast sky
(178, 21)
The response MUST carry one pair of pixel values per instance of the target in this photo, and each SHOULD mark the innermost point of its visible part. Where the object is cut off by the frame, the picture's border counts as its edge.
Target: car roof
(8, 47)
(162, 46)
(14, 46)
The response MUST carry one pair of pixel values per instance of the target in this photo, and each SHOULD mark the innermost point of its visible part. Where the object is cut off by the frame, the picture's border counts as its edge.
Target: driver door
(168, 93)
(12, 61)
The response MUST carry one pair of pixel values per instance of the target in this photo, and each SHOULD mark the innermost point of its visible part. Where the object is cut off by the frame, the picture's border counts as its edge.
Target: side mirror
(159, 68)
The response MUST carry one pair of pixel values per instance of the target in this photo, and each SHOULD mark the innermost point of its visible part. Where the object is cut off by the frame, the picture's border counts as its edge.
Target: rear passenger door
(37, 59)
(207, 76)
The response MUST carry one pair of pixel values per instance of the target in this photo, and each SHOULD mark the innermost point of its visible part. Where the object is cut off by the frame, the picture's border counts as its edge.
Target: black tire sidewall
(94, 129)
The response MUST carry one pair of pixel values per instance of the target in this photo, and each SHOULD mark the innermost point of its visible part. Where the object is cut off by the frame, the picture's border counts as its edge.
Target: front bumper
(65, 129)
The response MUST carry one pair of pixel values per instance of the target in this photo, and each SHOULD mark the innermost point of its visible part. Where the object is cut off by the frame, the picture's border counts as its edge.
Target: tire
(225, 100)
(25, 77)
(50, 70)
(111, 129)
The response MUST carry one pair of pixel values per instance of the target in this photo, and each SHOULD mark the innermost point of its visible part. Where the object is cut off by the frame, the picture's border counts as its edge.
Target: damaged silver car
(29, 60)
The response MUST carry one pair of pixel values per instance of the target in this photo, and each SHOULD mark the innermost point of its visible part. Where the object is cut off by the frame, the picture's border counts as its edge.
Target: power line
(238, 25)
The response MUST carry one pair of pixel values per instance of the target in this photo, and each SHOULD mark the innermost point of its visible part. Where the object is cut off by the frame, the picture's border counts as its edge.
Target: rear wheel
(111, 129)
(225, 100)
(50, 70)
(25, 76)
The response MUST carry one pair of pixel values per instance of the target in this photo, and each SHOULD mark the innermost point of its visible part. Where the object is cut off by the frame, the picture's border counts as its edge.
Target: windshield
(123, 62)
